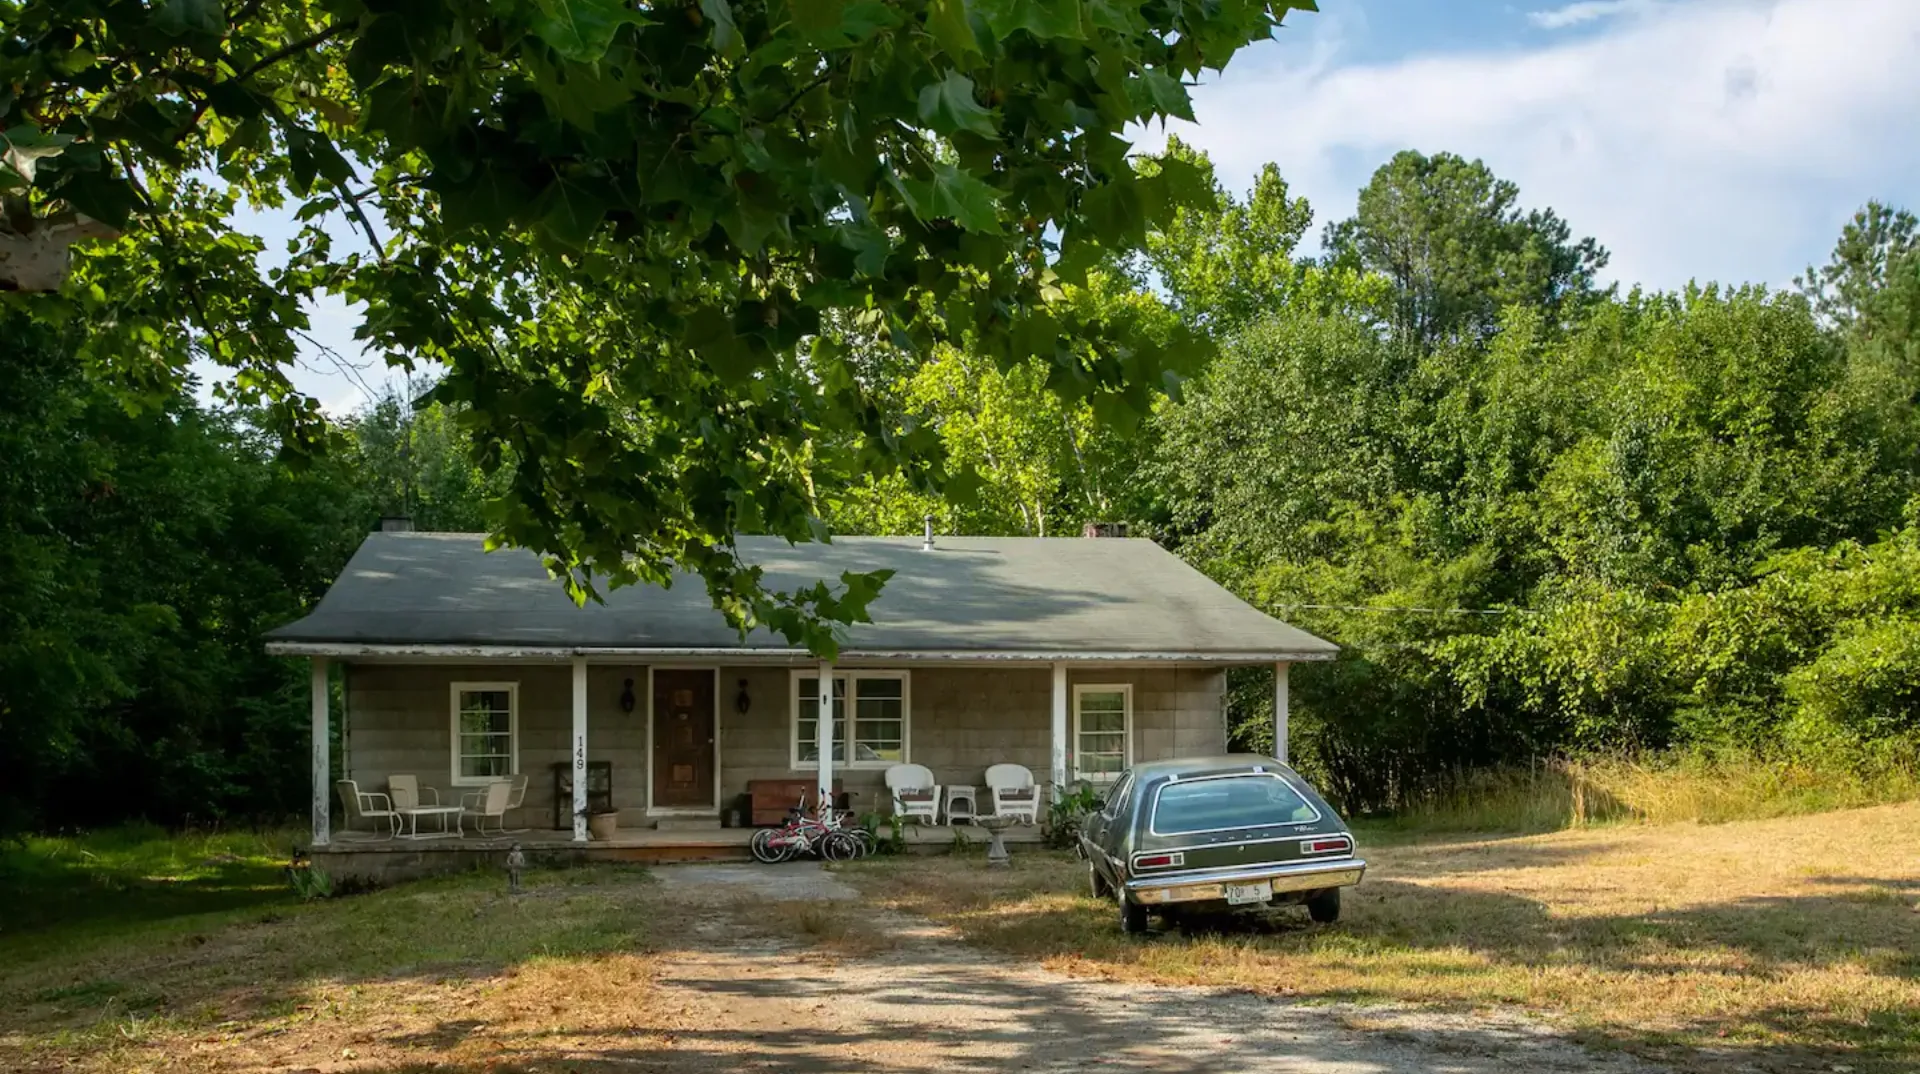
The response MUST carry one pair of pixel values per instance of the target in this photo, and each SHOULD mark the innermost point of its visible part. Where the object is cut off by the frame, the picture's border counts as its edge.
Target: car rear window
(1206, 805)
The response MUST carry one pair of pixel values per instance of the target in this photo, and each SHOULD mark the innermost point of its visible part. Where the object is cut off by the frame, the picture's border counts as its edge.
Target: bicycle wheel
(766, 849)
(868, 842)
(839, 846)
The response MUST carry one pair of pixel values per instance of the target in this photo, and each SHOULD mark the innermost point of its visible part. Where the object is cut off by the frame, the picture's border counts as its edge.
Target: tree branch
(290, 49)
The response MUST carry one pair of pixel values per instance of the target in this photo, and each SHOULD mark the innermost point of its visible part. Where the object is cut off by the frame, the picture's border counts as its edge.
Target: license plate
(1242, 894)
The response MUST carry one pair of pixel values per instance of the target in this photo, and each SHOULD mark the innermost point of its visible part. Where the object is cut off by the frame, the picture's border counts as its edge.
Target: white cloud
(1585, 11)
(1717, 139)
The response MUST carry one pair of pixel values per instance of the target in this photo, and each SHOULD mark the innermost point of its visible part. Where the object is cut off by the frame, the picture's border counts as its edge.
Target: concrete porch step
(687, 824)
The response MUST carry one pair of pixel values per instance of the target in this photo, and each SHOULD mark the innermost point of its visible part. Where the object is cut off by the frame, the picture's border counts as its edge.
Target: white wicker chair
(1013, 792)
(915, 794)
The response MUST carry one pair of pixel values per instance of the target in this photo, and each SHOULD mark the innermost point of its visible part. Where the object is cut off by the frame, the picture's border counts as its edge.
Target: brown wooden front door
(683, 747)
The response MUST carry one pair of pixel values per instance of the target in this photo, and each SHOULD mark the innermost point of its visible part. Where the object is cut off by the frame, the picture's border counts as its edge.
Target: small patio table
(962, 796)
(448, 815)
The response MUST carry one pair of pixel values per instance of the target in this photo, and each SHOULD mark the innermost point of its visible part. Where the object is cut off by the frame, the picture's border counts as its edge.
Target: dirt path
(903, 995)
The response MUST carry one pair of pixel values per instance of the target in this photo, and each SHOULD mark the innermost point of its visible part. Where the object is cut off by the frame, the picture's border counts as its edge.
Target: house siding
(962, 719)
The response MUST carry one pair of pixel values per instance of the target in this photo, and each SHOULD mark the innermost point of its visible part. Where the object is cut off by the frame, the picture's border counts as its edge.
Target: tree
(141, 557)
(623, 230)
(1459, 251)
(1876, 258)
(417, 461)
(1037, 465)
(1224, 263)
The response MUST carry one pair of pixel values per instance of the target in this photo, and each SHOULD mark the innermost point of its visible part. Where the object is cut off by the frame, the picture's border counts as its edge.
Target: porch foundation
(361, 861)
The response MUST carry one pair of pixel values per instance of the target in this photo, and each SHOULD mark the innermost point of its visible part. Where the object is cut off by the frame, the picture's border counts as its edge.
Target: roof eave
(445, 651)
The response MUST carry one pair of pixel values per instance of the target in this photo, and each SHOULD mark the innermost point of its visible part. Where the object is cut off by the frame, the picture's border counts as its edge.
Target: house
(1072, 656)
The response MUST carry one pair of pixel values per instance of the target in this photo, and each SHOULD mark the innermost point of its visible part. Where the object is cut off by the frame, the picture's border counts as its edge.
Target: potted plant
(601, 827)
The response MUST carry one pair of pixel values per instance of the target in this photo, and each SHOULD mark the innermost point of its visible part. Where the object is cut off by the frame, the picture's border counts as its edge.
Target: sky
(1708, 140)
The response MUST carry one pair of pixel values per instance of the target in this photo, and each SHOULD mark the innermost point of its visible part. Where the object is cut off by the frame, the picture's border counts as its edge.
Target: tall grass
(1669, 789)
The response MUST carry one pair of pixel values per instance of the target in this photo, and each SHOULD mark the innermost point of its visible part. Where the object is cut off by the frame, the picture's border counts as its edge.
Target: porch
(681, 745)
(370, 859)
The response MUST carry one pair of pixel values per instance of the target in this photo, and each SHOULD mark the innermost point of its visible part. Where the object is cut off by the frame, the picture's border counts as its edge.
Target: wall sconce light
(626, 697)
(741, 702)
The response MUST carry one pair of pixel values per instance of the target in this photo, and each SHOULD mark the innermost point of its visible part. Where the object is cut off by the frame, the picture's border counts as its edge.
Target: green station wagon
(1213, 833)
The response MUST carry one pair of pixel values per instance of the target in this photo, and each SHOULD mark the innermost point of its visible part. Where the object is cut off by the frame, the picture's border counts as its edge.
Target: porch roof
(967, 598)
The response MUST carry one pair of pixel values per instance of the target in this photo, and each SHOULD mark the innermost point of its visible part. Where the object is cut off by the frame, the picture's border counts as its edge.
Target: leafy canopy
(641, 238)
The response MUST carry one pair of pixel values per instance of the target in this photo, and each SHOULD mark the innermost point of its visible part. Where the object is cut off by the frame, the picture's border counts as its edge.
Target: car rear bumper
(1211, 884)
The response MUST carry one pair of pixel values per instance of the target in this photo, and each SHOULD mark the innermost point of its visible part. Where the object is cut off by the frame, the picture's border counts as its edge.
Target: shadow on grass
(132, 879)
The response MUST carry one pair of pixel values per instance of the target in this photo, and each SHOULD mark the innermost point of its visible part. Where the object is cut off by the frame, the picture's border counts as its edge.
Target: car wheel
(1325, 907)
(1097, 884)
(1133, 916)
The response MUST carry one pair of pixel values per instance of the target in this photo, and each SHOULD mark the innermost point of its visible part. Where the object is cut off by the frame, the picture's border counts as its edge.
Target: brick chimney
(1104, 529)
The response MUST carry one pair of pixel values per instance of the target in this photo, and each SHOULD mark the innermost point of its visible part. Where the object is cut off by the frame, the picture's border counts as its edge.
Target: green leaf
(311, 154)
(726, 36)
(952, 194)
(949, 24)
(838, 23)
(489, 198)
(569, 212)
(710, 335)
(948, 106)
(177, 18)
(582, 30)
(1044, 19)
(107, 198)
(1158, 93)
(818, 18)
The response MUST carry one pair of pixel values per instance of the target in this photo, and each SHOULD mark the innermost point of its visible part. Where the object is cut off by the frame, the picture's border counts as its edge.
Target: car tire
(1325, 907)
(1133, 916)
(1097, 884)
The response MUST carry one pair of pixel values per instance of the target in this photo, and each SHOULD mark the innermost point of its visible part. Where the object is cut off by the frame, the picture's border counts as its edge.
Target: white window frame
(849, 712)
(454, 691)
(1125, 689)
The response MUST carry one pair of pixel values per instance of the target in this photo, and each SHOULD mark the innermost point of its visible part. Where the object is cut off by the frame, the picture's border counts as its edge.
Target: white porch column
(1059, 772)
(322, 762)
(1280, 711)
(579, 749)
(823, 795)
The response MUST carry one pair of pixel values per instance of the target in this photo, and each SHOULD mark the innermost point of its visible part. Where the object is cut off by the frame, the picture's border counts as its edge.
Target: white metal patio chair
(1013, 792)
(370, 806)
(915, 794)
(406, 792)
(489, 801)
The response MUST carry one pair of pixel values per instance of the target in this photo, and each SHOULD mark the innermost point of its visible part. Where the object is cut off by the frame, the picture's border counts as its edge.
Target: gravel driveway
(923, 1001)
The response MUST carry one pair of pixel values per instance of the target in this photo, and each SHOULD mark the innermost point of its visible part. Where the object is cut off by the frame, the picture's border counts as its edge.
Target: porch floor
(917, 835)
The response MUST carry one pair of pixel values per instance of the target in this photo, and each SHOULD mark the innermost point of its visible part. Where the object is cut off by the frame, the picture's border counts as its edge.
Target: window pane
(807, 731)
(1103, 721)
(1101, 765)
(1103, 743)
(483, 766)
(878, 689)
(485, 739)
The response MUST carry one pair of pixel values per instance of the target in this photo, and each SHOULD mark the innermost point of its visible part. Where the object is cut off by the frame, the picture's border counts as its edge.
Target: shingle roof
(969, 595)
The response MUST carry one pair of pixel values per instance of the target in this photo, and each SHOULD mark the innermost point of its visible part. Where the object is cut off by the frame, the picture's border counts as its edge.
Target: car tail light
(1326, 844)
(1158, 861)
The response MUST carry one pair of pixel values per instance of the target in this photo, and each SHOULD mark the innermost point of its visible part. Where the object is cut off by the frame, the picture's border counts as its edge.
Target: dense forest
(1543, 516)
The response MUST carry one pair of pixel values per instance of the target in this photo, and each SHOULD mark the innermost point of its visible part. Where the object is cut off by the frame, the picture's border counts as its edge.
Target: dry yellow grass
(451, 971)
(1781, 942)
